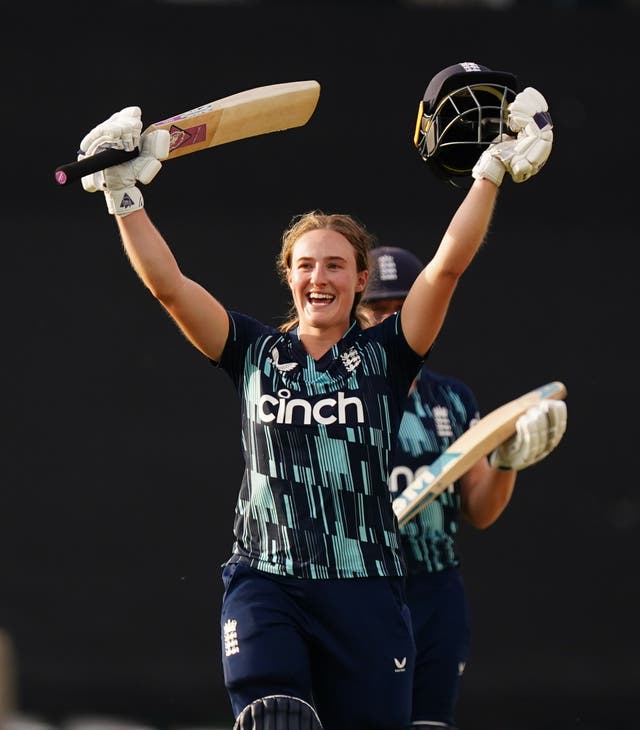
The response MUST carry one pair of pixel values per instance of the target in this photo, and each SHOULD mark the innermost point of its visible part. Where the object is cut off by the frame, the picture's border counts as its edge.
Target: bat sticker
(185, 137)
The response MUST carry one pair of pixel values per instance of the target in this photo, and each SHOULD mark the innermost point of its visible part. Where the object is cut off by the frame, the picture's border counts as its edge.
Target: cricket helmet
(464, 110)
(392, 271)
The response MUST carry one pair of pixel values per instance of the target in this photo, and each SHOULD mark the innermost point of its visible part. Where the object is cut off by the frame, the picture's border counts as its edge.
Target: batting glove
(529, 118)
(122, 131)
(524, 155)
(538, 432)
(495, 160)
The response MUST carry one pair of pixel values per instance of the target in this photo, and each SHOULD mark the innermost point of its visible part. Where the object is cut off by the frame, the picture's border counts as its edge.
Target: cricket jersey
(318, 438)
(438, 411)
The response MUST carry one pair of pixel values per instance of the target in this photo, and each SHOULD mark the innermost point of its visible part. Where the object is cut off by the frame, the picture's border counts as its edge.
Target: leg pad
(278, 712)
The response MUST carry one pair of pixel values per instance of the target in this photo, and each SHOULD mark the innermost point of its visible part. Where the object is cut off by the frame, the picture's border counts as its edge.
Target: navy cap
(463, 74)
(392, 271)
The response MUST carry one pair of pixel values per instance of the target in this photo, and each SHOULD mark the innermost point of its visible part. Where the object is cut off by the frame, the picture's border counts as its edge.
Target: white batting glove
(122, 131)
(495, 160)
(525, 154)
(529, 118)
(524, 107)
(538, 432)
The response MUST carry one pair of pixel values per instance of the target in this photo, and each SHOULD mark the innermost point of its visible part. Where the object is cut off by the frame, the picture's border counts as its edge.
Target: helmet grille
(464, 123)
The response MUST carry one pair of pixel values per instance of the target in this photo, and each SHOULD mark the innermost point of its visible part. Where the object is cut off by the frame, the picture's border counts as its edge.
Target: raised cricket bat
(478, 441)
(250, 113)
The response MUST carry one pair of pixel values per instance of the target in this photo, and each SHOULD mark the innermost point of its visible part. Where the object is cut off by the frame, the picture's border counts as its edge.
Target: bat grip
(72, 171)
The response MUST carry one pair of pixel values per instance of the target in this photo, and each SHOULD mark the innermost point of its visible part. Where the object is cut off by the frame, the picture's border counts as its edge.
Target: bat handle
(72, 171)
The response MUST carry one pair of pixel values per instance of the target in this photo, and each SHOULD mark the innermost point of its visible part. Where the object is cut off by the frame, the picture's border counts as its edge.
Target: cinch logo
(325, 411)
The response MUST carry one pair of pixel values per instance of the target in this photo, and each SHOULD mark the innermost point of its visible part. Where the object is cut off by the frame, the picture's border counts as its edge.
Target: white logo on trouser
(401, 664)
(231, 637)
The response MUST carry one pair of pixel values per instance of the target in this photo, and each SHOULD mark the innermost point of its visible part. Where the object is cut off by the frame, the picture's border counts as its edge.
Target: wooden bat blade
(258, 111)
(478, 441)
(250, 113)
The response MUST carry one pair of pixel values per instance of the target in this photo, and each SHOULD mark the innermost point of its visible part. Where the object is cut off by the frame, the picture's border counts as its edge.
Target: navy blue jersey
(318, 439)
(438, 411)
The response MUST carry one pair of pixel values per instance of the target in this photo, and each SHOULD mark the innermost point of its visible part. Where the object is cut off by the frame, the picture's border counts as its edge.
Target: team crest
(351, 359)
(231, 637)
(442, 422)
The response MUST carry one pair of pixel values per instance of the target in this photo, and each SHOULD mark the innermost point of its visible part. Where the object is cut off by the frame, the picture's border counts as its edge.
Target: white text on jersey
(325, 411)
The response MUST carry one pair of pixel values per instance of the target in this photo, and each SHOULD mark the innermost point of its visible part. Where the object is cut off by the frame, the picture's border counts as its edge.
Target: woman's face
(383, 308)
(324, 280)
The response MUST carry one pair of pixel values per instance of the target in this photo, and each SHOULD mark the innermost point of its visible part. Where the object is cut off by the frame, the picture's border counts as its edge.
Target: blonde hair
(354, 231)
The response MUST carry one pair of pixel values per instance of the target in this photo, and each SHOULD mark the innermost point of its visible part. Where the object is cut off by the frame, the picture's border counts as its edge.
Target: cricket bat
(249, 113)
(478, 441)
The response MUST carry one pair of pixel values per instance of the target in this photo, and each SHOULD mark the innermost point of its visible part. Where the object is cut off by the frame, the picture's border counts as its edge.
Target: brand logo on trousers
(401, 664)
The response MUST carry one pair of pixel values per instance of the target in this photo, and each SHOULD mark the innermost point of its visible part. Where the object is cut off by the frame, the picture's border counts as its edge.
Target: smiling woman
(350, 231)
(314, 585)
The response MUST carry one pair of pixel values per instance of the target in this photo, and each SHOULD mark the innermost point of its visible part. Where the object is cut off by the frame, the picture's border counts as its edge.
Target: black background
(121, 450)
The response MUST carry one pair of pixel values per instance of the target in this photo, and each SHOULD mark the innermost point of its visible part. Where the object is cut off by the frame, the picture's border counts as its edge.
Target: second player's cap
(392, 271)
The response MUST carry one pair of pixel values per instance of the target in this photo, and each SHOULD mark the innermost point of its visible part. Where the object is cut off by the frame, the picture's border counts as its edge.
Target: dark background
(121, 450)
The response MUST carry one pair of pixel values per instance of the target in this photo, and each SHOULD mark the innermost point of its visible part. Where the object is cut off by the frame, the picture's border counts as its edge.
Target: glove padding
(524, 155)
(529, 117)
(538, 432)
(494, 161)
(122, 131)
